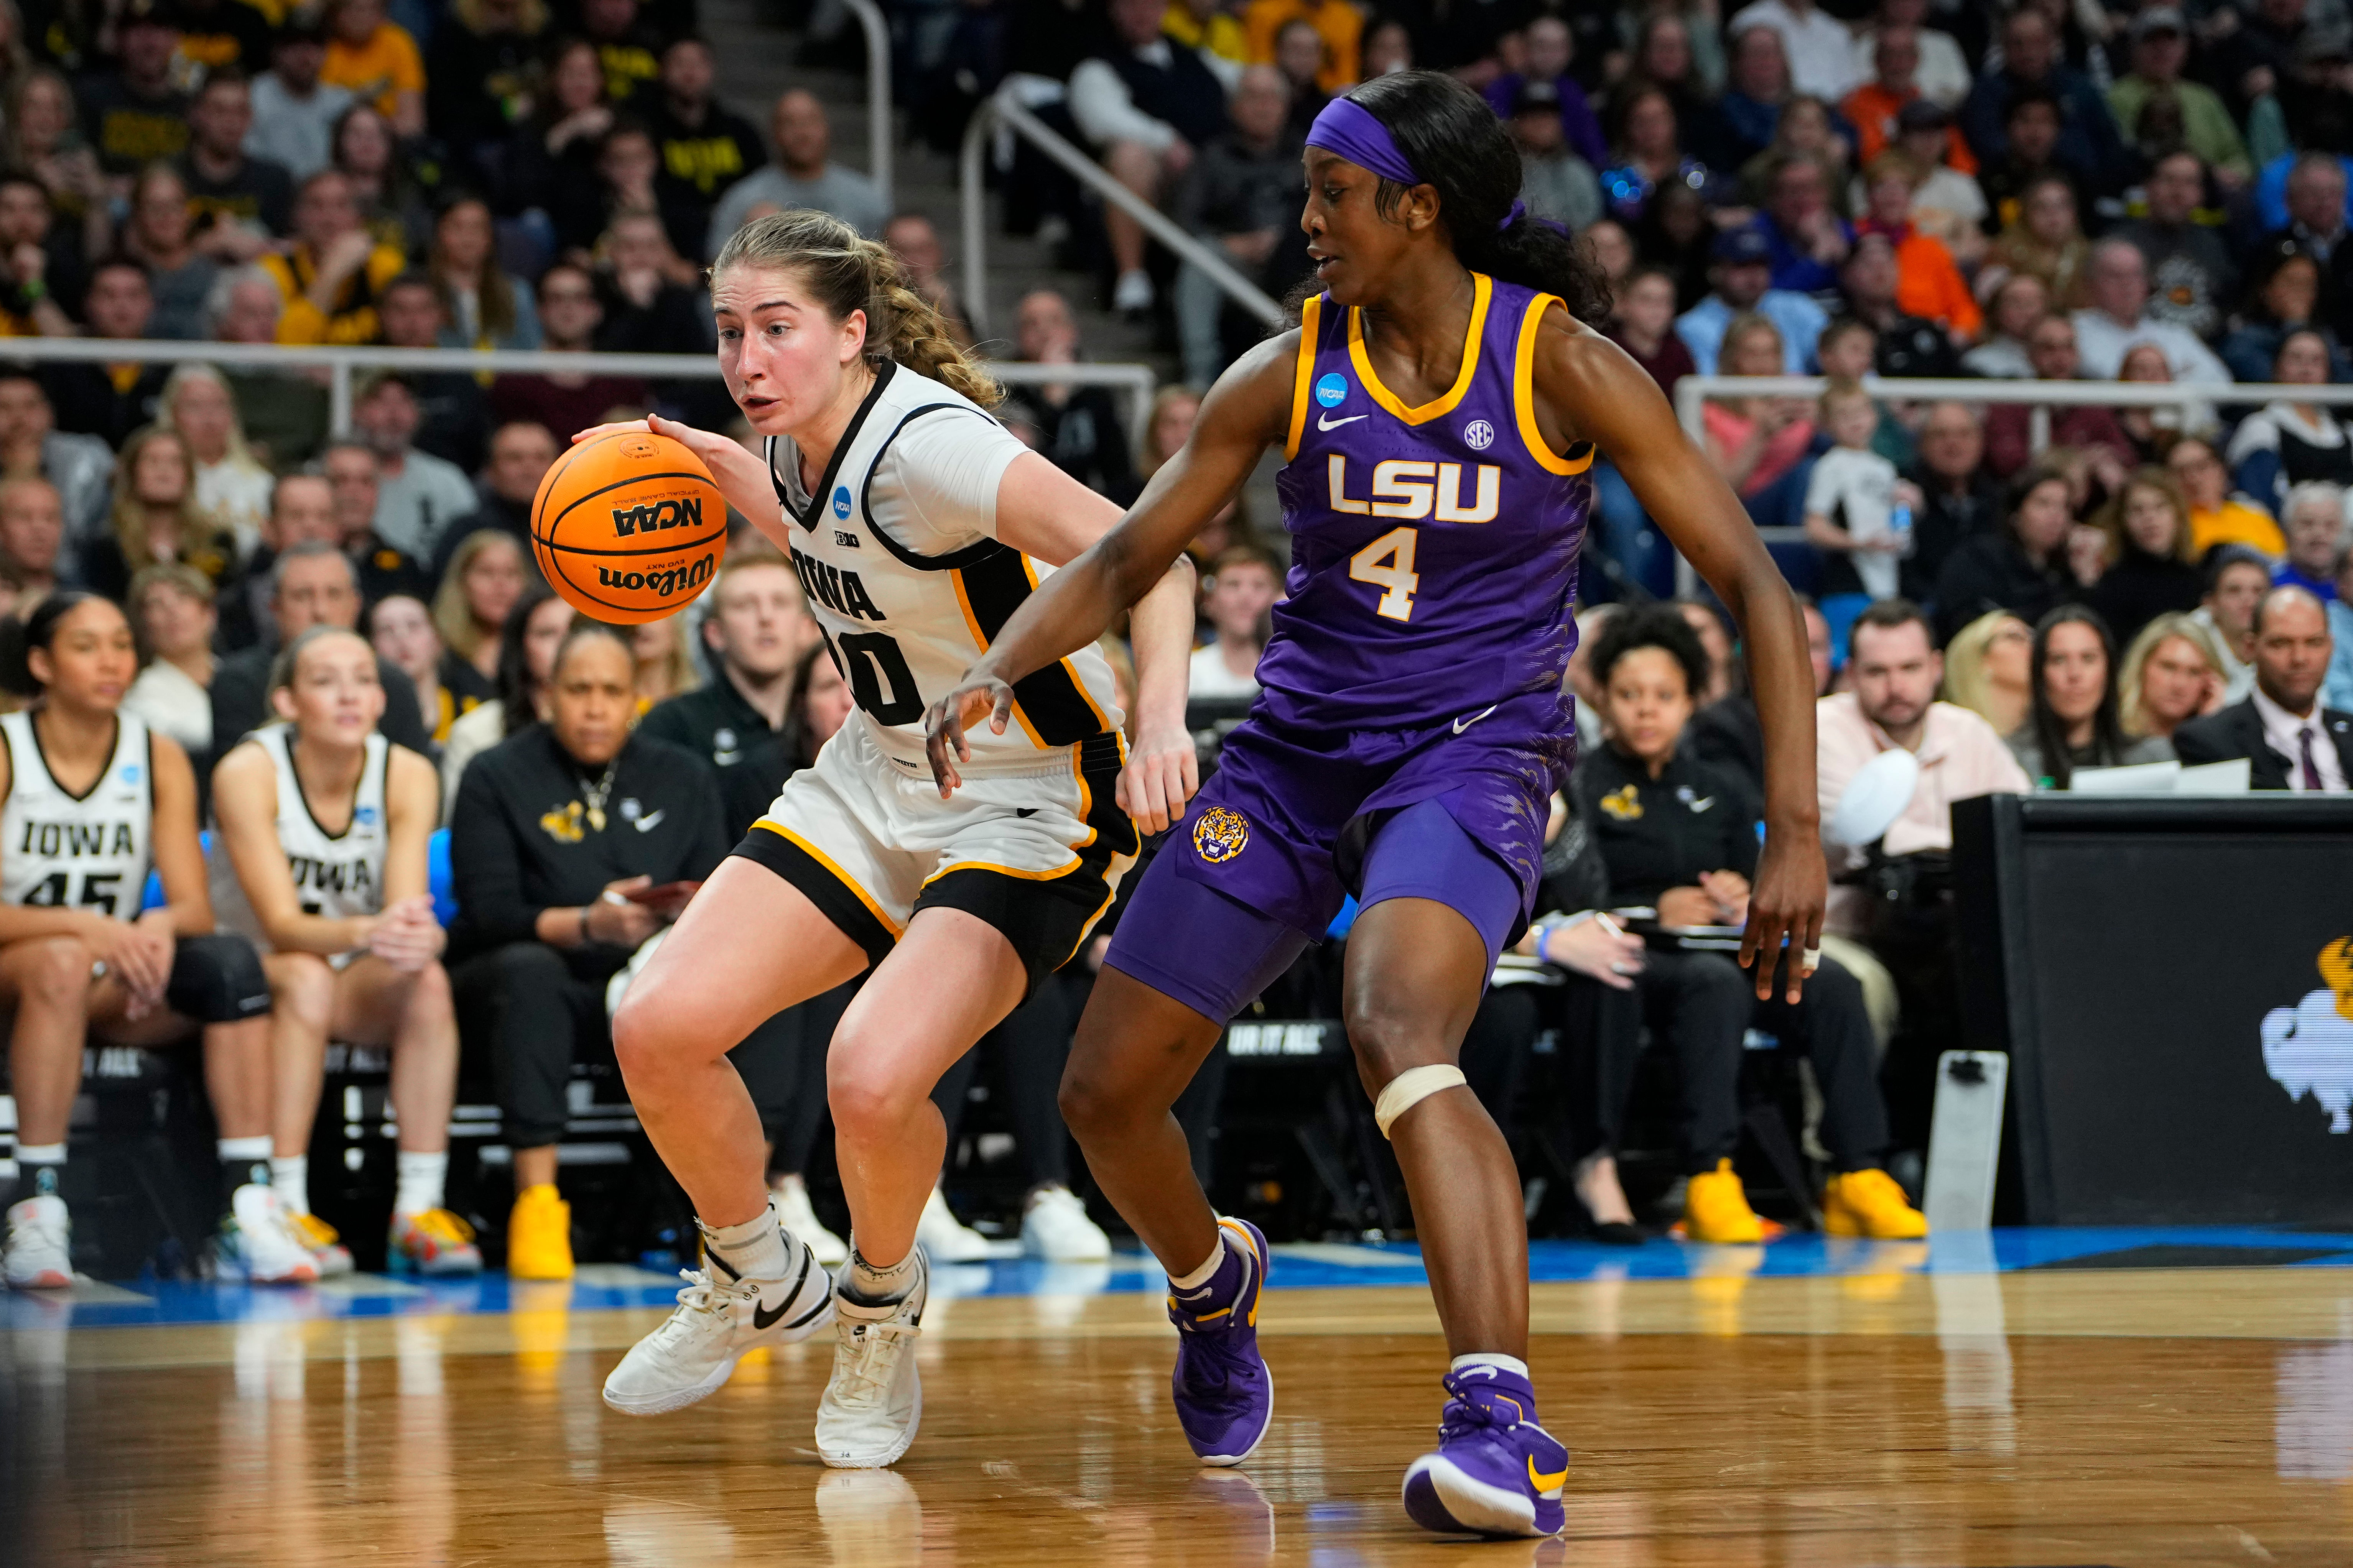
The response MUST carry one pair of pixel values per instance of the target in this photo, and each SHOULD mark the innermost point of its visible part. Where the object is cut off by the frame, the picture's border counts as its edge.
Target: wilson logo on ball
(656, 515)
(665, 581)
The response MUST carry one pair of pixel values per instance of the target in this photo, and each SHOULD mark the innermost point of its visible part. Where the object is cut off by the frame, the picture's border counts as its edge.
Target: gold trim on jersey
(1524, 396)
(895, 928)
(1483, 287)
(1311, 334)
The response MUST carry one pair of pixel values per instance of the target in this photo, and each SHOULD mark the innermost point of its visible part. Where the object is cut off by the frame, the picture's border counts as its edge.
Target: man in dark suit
(2290, 741)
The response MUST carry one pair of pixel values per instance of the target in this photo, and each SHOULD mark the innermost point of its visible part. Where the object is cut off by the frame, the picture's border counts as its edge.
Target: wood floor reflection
(415, 1443)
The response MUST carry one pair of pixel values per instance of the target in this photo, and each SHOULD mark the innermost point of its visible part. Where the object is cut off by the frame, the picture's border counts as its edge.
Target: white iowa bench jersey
(897, 551)
(88, 851)
(335, 874)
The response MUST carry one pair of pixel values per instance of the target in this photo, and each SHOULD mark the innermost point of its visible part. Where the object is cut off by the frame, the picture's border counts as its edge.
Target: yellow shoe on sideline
(1717, 1211)
(539, 1235)
(1869, 1204)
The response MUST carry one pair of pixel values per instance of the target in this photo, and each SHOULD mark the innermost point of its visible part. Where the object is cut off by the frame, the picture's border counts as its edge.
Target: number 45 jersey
(897, 551)
(86, 851)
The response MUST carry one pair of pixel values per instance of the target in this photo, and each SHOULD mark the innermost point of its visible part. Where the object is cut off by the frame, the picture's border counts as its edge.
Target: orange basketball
(629, 526)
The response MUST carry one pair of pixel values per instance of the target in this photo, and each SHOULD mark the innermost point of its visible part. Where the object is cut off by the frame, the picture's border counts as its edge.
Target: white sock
(38, 1167)
(756, 1249)
(1200, 1277)
(875, 1285)
(418, 1187)
(289, 1178)
(1499, 1363)
(40, 1153)
(245, 1159)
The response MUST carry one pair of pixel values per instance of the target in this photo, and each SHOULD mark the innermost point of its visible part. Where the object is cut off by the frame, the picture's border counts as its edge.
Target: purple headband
(1349, 128)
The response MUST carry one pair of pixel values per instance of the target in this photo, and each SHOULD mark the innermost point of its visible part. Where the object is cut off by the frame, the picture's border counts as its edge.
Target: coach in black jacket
(2292, 648)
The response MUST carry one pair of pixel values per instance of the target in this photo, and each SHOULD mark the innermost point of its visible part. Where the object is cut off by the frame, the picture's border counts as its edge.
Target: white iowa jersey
(897, 551)
(88, 851)
(335, 874)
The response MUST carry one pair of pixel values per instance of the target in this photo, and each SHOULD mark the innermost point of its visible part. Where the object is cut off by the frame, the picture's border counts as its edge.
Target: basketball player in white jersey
(320, 860)
(91, 799)
(917, 524)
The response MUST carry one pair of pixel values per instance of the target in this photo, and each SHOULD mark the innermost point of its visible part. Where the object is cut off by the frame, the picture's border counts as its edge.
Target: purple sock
(1505, 1394)
(1221, 1287)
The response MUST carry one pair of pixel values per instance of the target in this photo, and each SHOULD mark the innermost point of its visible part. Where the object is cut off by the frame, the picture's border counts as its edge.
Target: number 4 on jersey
(1388, 564)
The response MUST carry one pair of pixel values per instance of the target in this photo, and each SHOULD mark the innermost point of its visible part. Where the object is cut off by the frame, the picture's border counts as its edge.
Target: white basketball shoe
(874, 1400)
(259, 1243)
(40, 1244)
(721, 1317)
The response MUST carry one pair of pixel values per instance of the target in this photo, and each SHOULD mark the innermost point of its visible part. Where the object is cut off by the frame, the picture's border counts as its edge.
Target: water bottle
(1899, 528)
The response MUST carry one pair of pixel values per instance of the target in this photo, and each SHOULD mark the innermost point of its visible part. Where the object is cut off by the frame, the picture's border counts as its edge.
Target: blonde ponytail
(847, 272)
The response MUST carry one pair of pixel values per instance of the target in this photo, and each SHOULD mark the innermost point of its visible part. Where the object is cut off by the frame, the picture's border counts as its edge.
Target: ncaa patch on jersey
(841, 500)
(1221, 834)
(1332, 390)
(131, 773)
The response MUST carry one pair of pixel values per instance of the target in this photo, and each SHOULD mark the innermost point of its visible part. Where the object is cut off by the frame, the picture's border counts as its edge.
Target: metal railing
(1003, 110)
(1136, 382)
(881, 131)
(1693, 393)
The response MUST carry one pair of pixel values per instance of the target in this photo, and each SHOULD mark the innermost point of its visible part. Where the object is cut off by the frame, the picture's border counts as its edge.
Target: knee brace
(216, 979)
(1410, 1088)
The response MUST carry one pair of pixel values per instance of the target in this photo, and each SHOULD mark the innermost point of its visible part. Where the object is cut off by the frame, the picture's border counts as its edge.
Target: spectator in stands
(1241, 195)
(916, 243)
(664, 652)
(1850, 497)
(1641, 798)
(1759, 444)
(2150, 572)
(1299, 61)
(154, 518)
(2292, 743)
(628, 175)
(133, 114)
(803, 175)
(2337, 691)
(2118, 317)
(520, 455)
(527, 646)
(544, 921)
(284, 412)
(452, 414)
(417, 494)
(2237, 578)
(2015, 432)
(2160, 49)
(377, 60)
(32, 536)
(400, 630)
(1819, 48)
(1908, 345)
(481, 71)
(2172, 674)
(484, 583)
(1147, 104)
(649, 307)
(755, 638)
(329, 279)
(1078, 427)
(232, 489)
(1986, 669)
(355, 474)
(628, 48)
(550, 162)
(1741, 283)
(385, 191)
(40, 262)
(301, 509)
(1642, 322)
(1805, 129)
(161, 238)
(294, 112)
(1647, 160)
(564, 402)
(45, 143)
(311, 584)
(174, 608)
(704, 147)
(2044, 240)
(1928, 286)
(2031, 121)
(2019, 301)
(2285, 444)
(2087, 145)
(1555, 183)
(2217, 517)
(1876, 107)
(2035, 562)
(161, 982)
(1726, 732)
(1958, 499)
(2073, 721)
(241, 200)
(1683, 54)
(358, 961)
(1339, 28)
(1750, 107)
(80, 468)
(2285, 297)
(483, 307)
(1240, 590)
(106, 400)
(2313, 518)
(2188, 265)
(1807, 240)
(1547, 48)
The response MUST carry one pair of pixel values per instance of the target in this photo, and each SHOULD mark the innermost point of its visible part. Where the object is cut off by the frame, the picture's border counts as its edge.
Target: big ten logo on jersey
(316, 881)
(1410, 488)
(836, 588)
(679, 511)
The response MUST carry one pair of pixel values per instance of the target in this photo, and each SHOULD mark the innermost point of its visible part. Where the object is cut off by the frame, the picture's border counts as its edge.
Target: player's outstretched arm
(1603, 396)
(741, 476)
(1244, 413)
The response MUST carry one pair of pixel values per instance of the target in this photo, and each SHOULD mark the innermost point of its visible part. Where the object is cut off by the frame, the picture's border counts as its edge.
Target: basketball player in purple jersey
(1439, 407)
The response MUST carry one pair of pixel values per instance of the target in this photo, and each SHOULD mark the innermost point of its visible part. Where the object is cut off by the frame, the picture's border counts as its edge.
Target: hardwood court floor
(2125, 1418)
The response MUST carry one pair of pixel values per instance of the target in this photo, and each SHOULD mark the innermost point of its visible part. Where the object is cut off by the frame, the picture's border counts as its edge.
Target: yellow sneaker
(539, 1235)
(324, 1242)
(1717, 1211)
(432, 1241)
(1869, 1203)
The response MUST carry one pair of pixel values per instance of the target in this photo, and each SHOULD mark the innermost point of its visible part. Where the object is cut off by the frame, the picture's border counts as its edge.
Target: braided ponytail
(847, 272)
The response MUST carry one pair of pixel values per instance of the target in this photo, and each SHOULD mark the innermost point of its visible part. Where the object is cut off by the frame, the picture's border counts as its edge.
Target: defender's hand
(1162, 773)
(1786, 906)
(950, 716)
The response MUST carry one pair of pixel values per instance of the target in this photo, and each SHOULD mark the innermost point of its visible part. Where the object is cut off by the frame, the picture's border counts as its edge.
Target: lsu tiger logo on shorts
(1221, 834)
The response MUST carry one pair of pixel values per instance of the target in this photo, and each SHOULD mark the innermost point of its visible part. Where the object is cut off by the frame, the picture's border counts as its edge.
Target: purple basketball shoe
(1225, 1395)
(1496, 1472)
